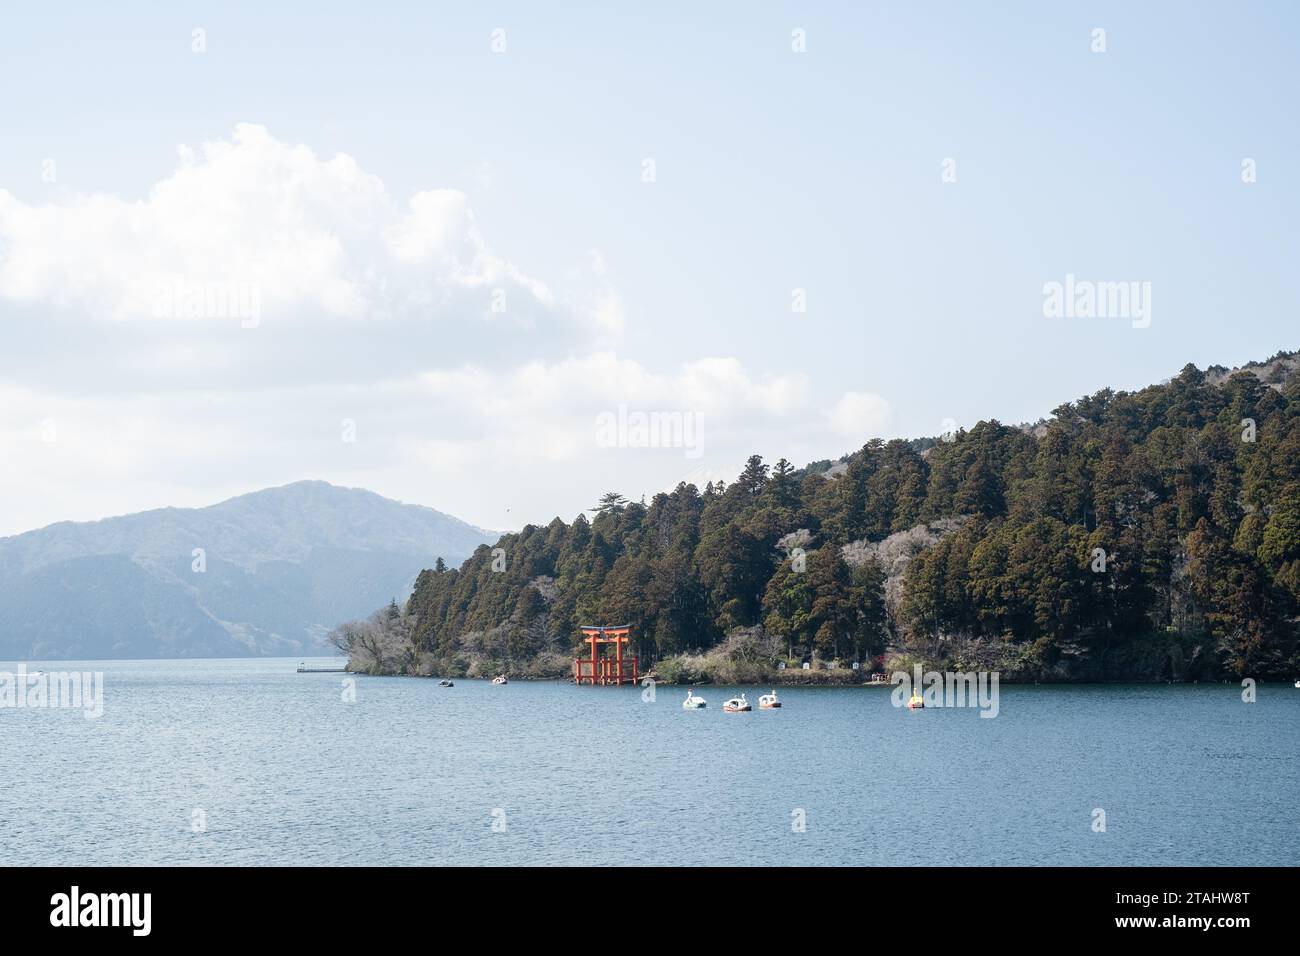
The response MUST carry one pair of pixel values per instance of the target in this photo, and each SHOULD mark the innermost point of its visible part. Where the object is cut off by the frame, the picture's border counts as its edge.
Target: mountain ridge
(264, 572)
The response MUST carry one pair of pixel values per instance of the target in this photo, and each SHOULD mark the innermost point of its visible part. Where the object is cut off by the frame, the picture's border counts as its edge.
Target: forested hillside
(1146, 536)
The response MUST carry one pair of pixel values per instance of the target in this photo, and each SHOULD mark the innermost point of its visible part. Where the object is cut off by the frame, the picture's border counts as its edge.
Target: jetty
(321, 670)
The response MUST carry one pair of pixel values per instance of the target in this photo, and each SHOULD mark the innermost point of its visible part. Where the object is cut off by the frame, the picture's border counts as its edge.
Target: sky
(498, 259)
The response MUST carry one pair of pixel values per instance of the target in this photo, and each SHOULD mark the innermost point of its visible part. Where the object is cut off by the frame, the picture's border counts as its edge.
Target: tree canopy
(1147, 535)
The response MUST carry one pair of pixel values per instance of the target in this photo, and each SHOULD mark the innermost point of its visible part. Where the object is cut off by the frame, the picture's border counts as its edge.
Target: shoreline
(779, 682)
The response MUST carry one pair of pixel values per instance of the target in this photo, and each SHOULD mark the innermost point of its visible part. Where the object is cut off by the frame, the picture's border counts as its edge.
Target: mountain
(1147, 535)
(282, 566)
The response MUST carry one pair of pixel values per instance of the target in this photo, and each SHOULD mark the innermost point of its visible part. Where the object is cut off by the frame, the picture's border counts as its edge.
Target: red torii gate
(598, 669)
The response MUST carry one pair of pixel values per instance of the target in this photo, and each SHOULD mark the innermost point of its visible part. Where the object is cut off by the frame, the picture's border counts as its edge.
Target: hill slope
(282, 565)
(1148, 535)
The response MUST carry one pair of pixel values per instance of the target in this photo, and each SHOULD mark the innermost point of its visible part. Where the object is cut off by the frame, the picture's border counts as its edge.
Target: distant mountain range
(277, 569)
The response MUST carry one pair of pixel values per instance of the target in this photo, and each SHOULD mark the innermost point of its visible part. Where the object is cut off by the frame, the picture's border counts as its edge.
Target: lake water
(248, 762)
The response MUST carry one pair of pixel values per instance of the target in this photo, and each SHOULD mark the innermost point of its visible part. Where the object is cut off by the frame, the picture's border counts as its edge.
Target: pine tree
(996, 537)
(611, 501)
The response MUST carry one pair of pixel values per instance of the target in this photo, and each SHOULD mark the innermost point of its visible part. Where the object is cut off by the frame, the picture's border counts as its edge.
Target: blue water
(285, 772)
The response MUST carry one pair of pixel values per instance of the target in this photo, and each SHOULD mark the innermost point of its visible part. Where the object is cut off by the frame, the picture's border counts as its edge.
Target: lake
(248, 762)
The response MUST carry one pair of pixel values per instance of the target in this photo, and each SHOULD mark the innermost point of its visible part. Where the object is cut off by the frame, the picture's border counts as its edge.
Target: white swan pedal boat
(499, 680)
(693, 703)
(737, 705)
(769, 701)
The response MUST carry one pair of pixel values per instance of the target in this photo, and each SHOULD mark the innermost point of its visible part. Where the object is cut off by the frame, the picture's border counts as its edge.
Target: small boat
(769, 701)
(917, 702)
(500, 679)
(692, 702)
(445, 683)
(1297, 683)
(737, 705)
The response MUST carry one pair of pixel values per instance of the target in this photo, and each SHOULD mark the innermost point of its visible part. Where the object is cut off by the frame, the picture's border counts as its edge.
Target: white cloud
(859, 414)
(437, 228)
(549, 410)
(371, 310)
(310, 235)
(608, 312)
(713, 386)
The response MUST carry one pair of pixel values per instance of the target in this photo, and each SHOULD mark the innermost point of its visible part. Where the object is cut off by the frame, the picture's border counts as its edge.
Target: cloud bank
(221, 332)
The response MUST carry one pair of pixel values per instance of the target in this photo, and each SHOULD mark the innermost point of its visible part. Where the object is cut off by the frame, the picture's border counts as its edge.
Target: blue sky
(774, 171)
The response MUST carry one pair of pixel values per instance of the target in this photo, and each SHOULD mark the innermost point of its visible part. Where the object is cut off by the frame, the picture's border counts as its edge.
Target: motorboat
(737, 705)
(769, 701)
(692, 702)
(500, 679)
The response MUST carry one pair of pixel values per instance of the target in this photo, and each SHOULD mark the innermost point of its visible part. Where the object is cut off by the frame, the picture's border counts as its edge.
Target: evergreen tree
(1129, 535)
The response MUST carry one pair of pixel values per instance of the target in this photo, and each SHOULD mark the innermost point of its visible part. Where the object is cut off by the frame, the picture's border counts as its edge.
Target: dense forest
(1152, 535)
